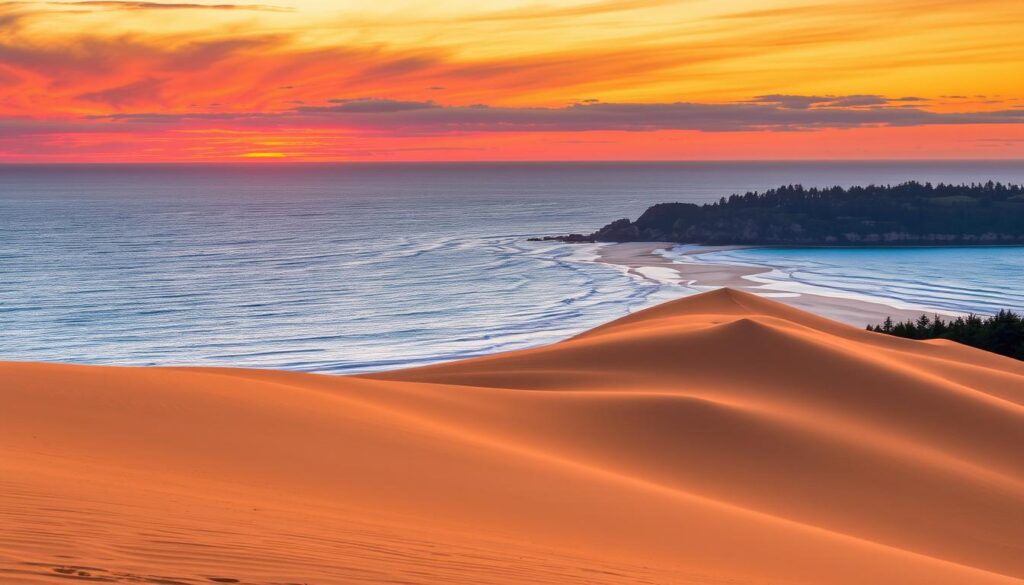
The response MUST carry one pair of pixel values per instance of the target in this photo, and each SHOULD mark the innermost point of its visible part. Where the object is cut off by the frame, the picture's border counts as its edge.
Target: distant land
(908, 214)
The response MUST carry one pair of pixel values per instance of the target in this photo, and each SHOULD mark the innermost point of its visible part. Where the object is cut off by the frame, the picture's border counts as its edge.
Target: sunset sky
(116, 81)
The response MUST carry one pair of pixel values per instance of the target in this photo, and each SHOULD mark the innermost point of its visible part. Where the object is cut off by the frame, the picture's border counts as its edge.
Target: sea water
(351, 268)
(979, 280)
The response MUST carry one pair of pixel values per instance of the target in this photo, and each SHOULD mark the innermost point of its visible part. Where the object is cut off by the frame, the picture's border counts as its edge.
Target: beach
(718, 438)
(638, 257)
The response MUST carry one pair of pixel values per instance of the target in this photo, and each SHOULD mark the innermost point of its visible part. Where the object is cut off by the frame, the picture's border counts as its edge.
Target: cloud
(10, 20)
(795, 102)
(859, 100)
(539, 12)
(1002, 141)
(399, 66)
(775, 114)
(802, 102)
(129, 5)
(369, 106)
(72, 53)
(11, 127)
(138, 92)
(87, 61)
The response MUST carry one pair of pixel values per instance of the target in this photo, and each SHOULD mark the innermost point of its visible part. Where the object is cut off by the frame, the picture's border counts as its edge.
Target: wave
(959, 280)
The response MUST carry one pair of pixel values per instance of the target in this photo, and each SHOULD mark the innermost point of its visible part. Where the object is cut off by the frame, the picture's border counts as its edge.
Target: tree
(886, 326)
(1002, 333)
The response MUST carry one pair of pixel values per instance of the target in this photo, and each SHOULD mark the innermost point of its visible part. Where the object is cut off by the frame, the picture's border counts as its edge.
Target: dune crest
(720, 438)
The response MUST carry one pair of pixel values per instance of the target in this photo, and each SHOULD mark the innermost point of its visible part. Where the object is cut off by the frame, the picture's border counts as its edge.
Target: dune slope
(721, 438)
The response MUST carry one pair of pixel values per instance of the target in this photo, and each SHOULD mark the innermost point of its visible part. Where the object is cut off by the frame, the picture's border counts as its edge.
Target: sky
(398, 80)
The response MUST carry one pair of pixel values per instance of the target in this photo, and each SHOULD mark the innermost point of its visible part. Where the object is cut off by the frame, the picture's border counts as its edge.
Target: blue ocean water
(348, 268)
(979, 280)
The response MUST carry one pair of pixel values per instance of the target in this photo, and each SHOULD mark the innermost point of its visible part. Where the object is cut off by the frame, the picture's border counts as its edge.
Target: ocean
(360, 267)
(979, 280)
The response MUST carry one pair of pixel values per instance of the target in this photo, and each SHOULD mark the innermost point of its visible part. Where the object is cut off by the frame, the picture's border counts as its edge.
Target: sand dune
(721, 438)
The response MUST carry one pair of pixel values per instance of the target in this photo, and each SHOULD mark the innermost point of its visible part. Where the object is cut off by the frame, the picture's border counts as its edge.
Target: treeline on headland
(876, 215)
(1002, 333)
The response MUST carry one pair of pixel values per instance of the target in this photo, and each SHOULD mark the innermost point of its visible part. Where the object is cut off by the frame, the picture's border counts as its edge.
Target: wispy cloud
(406, 69)
(370, 106)
(129, 5)
(769, 113)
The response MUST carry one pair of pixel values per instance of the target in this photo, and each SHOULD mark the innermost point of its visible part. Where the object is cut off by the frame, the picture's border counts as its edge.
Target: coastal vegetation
(1002, 333)
(910, 213)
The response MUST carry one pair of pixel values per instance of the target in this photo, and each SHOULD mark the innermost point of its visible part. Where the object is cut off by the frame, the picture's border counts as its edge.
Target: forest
(1002, 333)
(908, 214)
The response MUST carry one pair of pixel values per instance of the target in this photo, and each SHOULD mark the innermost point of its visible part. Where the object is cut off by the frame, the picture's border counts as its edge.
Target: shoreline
(636, 257)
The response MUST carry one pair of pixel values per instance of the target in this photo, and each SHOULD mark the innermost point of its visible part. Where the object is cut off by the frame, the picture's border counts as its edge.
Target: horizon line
(275, 163)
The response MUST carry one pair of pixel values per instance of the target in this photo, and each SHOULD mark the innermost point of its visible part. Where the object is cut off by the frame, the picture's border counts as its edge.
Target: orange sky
(506, 79)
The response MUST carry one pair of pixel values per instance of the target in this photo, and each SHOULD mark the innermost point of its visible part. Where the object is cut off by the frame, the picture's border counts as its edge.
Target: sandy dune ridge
(720, 438)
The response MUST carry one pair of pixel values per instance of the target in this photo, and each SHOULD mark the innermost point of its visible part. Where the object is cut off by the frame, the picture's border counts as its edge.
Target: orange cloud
(212, 145)
(130, 5)
(382, 129)
(85, 75)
